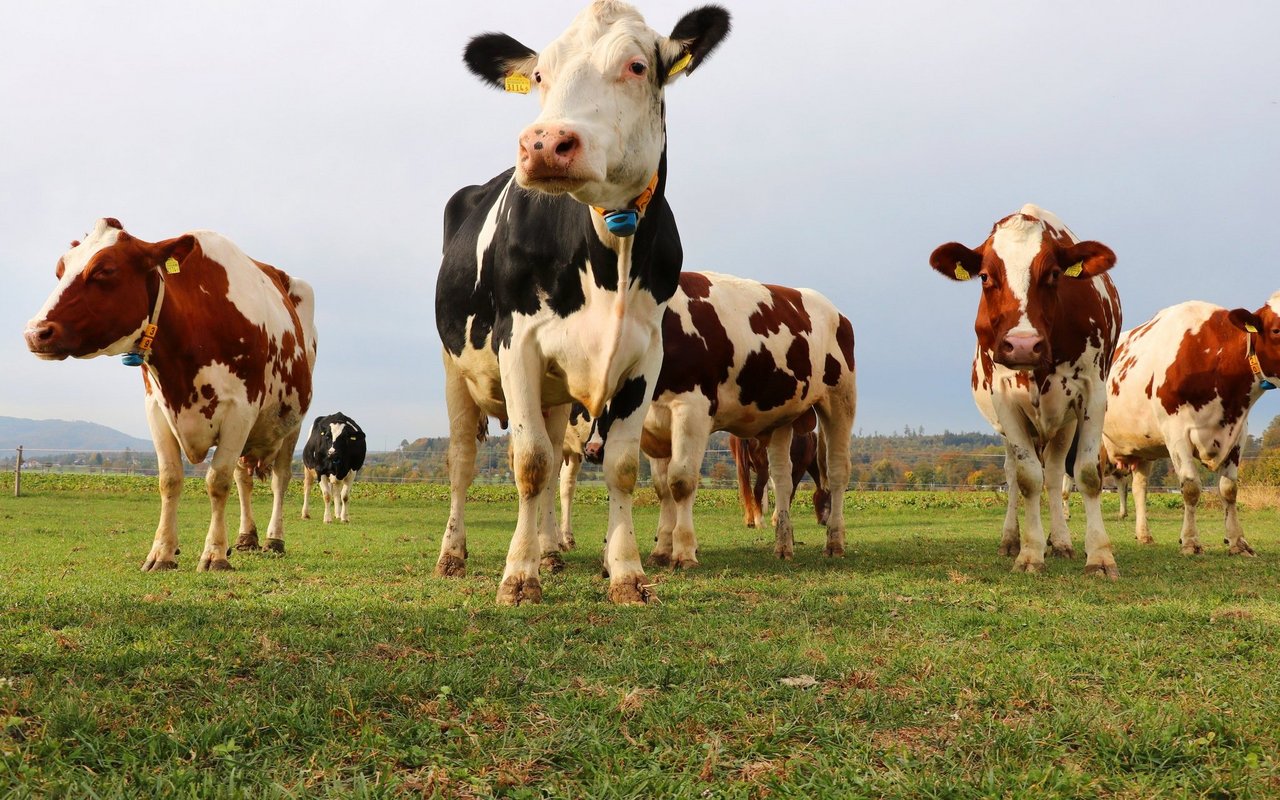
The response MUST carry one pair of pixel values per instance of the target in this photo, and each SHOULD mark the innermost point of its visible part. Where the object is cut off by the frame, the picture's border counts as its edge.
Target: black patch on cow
(625, 402)
(761, 382)
(348, 450)
(490, 56)
(701, 30)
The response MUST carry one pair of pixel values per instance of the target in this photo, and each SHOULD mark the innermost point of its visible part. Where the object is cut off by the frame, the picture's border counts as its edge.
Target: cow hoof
(657, 559)
(633, 592)
(247, 541)
(1241, 548)
(515, 590)
(274, 547)
(784, 553)
(214, 565)
(1010, 548)
(451, 567)
(567, 543)
(690, 562)
(1102, 571)
(1196, 549)
(1062, 552)
(553, 562)
(834, 551)
(751, 524)
(152, 565)
(306, 515)
(1144, 538)
(1029, 567)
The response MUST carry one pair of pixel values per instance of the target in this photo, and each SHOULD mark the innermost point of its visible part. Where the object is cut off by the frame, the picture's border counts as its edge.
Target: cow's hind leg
(690, 430)
(1141, 530)
(1227, 487)
(247, 540)
(662, 540)
(1184, 466)
(281, 475)
(836, 415)
(465, 420)
(568, 487)
(164, 548)
(780, 475)
(218, 483)
(1010, 536)
(345, 496)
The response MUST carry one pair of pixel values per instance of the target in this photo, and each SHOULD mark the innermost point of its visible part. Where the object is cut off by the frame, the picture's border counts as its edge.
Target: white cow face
(601, 132)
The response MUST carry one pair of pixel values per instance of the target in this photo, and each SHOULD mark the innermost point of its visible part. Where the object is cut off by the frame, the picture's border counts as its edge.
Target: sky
(825, 144)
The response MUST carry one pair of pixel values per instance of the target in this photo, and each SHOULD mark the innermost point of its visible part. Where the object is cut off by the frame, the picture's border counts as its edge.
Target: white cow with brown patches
(1047, 325)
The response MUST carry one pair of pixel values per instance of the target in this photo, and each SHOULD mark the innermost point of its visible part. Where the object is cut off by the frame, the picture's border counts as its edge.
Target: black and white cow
(334, 454)
(556, 273)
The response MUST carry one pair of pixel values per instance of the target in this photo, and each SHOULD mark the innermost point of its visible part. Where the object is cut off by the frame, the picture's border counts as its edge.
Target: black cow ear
(693, 39)
(494, 57)
(956, 261)
(1244, 319)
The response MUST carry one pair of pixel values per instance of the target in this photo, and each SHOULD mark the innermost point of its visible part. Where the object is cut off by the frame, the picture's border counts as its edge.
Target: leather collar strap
(623, 222)
(1254, 365)
(141, 352)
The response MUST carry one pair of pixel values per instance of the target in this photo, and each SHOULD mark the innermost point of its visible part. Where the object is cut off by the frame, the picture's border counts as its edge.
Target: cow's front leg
(532, 459)
(1227, 487)
(662, 544)
(308, 478)
(1010, 536)
(164, 548)
(1100, 559)
(1055, 456)
(281, 475)
(1184, 466)
(465, 419)
(780, 476)
(218, 483)
(627, 582)
(557, 420)
(345, 496)
(327, 493)
(248, 535)
(1029, 483)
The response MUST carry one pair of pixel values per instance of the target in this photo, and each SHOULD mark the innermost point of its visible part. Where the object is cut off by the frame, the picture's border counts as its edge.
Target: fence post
(17, 475)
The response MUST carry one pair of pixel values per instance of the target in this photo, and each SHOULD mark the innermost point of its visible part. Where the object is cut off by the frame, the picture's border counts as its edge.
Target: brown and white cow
(1047, 326)
(752, 456)
(556, 273)
(747, 358)
(227, 364)
(1182, 386)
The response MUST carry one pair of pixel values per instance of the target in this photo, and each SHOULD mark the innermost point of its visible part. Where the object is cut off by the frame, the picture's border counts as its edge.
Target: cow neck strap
(141, 352)
(1254, 365)
(624, 221)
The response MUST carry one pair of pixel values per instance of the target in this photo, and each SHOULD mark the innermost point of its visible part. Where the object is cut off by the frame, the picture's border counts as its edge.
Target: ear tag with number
(1248, 326)
(517, 83)
(962, 274)
(680, 65)
(1074, 270)
(171, 265)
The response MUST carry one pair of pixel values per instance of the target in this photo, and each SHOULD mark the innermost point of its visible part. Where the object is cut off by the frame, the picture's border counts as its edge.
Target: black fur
(349, 450)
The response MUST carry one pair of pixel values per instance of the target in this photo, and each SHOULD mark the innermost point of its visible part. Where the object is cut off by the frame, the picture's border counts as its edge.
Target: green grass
(346, 669)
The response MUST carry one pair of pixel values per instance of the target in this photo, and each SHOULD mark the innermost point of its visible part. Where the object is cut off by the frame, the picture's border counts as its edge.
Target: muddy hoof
(1029, 567)
(1103, 571)
(1196, 549)
(151, 565)
(784, 553)
(214, 565)
(306, 515)
(1010, 548)
(274, 547)
(834, 551)
(1062, 552)
(657, 559)
(685, 563)
(567, 543)
(1241, 548)
(450, 567)
(553, 562)
(633, 592)
(1144, 538)
(515, 591)
(247, 541)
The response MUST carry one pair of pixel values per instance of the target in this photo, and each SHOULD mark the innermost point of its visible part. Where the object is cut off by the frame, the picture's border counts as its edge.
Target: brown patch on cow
(695, 285)
(1197, 376)
(844, 338)
(112, 222)
(787, 309)
(211, 401)
(798, 361)
(832, 372)
(700, 360)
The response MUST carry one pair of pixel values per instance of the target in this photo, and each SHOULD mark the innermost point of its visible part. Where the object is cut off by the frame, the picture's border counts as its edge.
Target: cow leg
(247, 540)
(548, 531)
(1028, 479)
(1227, 487)
(1055, 457)
(821, 484)
(836, 415)
(691, 428)
(464, 424)
(1066, 497)
(1099, 558)
(661, 555)
(780, 475)
(327, 493)
(1010, 537)
(164, 548)
(281, 475)
(1184, 466)
(568, 486)
(347, 483)
(308, 479)
(1141, 473)
(1122, 489)
(218, 483)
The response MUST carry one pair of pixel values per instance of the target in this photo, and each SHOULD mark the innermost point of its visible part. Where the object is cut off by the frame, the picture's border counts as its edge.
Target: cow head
(1263, 326)
(1020, 266)
(107, 287)
(338, 441)
(601, 132)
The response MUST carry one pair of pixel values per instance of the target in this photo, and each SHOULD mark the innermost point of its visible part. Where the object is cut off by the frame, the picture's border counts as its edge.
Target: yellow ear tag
(517, 83)
(680, 65)
(1074, 270)
(1249, 327)
(171, 265)
(962, 274)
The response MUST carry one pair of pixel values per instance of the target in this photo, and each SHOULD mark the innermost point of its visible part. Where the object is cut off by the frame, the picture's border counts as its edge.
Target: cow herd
(563, 311)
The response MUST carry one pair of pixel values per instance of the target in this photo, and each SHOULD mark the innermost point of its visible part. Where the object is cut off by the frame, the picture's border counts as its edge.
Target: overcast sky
(829, 145)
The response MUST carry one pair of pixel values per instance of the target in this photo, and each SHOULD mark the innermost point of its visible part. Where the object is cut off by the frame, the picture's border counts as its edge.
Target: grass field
(917, 666)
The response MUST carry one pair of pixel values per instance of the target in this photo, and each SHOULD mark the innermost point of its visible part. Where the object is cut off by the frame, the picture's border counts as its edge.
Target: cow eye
(638, 67)
(103, 273)
(537, 77)
(982, 276)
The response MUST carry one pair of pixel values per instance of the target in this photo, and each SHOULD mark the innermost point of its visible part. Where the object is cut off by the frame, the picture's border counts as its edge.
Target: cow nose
(40, 334)
(546, 149)
(1022, 349)
(593, 453)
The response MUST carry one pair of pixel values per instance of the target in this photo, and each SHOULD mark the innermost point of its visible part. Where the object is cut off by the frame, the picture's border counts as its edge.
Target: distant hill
(59, 434)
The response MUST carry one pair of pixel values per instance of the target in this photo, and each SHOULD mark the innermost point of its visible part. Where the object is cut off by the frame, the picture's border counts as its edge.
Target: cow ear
(692, 40)
(1086, 259)
(495, 57)
(177, 249)
(1244, 319)
(957, 262)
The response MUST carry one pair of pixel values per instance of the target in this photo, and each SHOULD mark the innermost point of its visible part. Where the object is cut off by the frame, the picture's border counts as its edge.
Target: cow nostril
(1006, 346)
(537, 145)
(566, 146)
